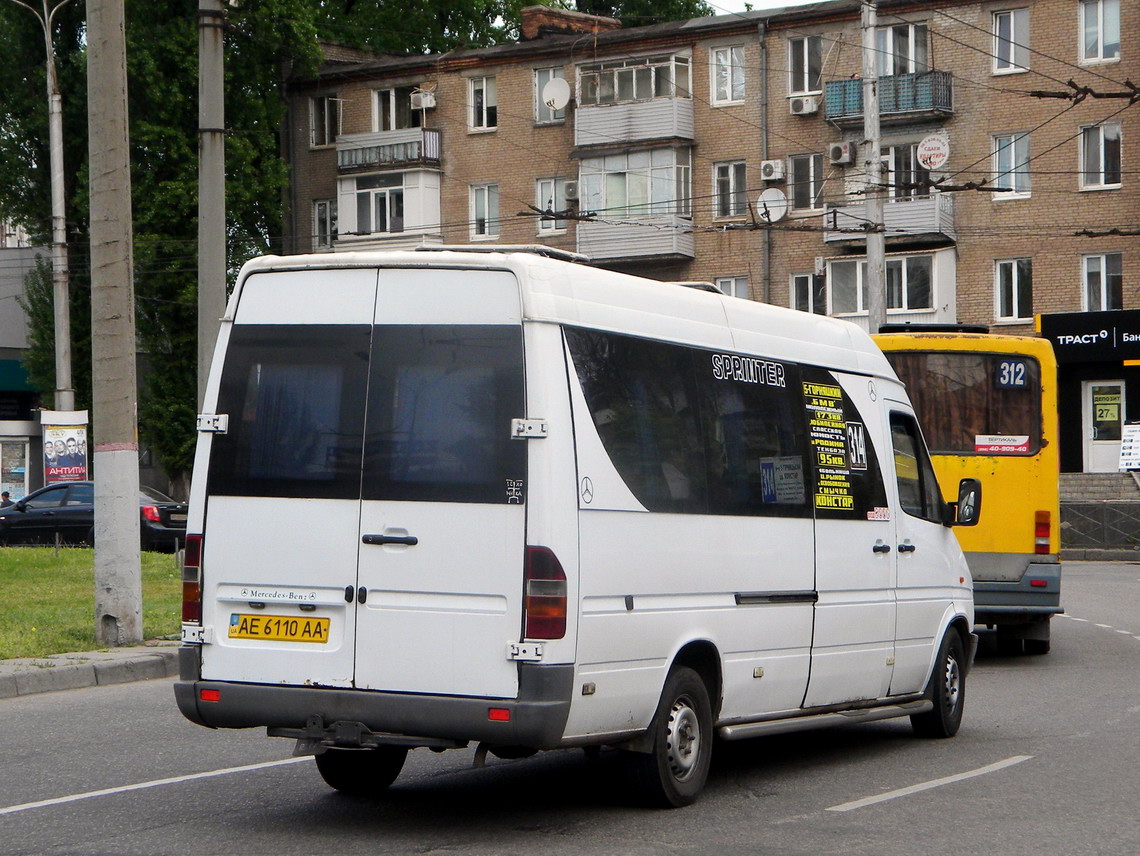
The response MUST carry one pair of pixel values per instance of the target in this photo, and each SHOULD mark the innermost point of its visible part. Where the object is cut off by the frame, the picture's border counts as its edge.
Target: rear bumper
(537, 717)
(1005, 602)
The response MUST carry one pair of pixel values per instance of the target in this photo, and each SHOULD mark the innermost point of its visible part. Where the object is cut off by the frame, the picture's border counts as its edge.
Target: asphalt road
(1047, 762)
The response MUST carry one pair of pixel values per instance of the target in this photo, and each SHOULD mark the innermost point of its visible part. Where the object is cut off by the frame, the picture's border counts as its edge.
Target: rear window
(974, 403)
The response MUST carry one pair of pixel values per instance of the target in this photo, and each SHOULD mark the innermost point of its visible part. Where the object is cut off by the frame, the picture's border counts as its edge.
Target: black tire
(1036, 647)
(675, 770)
(947, 690)
(361, 772)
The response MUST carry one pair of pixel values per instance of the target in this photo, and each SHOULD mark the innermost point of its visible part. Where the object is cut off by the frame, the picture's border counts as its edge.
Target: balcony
(404, 148)
(903, 98)
(927, 219)
(633, 121)
(661, 237)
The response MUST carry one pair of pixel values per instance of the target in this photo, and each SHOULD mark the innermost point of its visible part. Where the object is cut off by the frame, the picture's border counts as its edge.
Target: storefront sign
(1083, 337)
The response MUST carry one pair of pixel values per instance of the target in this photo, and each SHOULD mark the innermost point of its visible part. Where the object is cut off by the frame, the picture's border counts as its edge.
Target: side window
(848, 479)
(48, 499)
(919, 495)
(295, 396)
(81, 494)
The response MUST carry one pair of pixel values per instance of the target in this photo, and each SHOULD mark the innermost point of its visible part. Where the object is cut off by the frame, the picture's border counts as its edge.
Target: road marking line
(1085, 620)
(174, 780)
(1125, 632)
(1105, 626)
(934, 783)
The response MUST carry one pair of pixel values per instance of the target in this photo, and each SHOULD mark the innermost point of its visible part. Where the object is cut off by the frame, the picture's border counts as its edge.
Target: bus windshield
(974, 403)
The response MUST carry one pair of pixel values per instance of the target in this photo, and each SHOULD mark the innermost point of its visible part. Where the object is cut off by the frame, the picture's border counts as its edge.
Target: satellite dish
(556, 93)
(772, 205)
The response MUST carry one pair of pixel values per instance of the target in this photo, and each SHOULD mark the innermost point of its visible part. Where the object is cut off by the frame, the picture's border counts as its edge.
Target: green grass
(47, 599)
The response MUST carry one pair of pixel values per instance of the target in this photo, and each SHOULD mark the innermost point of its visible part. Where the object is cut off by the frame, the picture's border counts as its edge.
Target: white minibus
(508, 499)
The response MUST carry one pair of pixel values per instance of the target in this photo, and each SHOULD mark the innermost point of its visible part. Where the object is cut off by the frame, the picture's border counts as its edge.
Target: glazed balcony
(404, 148)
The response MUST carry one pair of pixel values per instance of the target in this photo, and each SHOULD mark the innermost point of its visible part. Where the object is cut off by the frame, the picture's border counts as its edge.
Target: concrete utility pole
(118, 579)
(64, 392)
(873, 174)
(211, 185)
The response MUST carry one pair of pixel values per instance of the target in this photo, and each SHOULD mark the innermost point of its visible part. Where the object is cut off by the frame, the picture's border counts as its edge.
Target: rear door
(442, 521)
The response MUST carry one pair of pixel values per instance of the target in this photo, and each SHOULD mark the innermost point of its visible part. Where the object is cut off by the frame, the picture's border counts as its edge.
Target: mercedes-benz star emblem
(587, 490)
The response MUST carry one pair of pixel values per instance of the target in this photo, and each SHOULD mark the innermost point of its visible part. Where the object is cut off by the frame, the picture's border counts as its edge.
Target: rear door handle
(408, 540)
(881, 548)
(907, 548)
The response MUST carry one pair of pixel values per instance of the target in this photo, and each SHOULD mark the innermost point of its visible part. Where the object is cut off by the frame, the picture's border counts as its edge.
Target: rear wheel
(947, 691)
(677, 767)
(361, 772)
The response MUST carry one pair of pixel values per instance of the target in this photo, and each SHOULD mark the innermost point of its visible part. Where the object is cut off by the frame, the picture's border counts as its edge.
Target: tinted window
(49, 498)
(440, 404)
(919, 494)
(295, 398)
(81, 494)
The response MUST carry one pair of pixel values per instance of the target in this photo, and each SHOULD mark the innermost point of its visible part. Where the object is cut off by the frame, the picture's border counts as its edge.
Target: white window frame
(641, 183)
(482, 103)
(861, 285)
(324, 121)
(1011, 50)
(917, 54)
(900, 162)
(1107, 16)
(1013, 290)
(802, 48)
(1102, 170)
(643, 78)
(543, 115)
(734, 286)
(730, 189)
(1106, 291)
(391, 195)
(484, 198)
(903, 265)
(726, 75)
(1011, 165)
(550, 193)
(324, 224)
(803, 284)
(815, 179)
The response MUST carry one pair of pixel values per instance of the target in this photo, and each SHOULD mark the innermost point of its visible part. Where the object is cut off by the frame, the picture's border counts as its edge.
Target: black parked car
(68, 510)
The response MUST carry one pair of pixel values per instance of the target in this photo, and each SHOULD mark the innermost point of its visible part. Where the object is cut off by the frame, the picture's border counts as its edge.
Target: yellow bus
(988, 407)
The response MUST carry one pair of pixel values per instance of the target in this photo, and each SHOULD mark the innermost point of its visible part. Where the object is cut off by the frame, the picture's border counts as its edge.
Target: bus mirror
(968, 508)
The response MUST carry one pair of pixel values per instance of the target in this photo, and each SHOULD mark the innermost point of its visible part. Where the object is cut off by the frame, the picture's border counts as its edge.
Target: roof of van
(572, 293)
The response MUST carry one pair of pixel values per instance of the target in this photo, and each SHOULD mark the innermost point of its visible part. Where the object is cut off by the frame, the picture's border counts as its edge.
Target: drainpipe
(766, 243)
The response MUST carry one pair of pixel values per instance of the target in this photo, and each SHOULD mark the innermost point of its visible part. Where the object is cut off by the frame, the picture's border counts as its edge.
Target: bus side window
(919, 494)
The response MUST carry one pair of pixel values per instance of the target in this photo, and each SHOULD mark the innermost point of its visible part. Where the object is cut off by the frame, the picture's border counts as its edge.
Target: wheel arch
(703, 657)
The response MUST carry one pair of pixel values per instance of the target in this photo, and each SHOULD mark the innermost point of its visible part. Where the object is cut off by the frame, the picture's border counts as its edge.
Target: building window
(805, 62)
(906, 178)
(731, 189)
(392, 109)
(902, 49)
(908, 283)
(1011, 166)
(1013, 283)
(727, 74)
(809, 293)
(734, 286)
(485, 211)
(550, 195)
(639, 183)
(1100, 30)
(543, 113)
(324, 120)
(1011, 41)
(484, 109)
(807, 182)
(633, 79)
(1100, 156)
(1104, 282)
(324, 224)
(380, 204)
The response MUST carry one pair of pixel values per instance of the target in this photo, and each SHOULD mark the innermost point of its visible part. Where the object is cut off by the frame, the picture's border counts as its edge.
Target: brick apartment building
(671, 147)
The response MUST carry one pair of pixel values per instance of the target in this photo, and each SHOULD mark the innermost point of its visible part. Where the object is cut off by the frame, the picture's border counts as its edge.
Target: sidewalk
(158, 659)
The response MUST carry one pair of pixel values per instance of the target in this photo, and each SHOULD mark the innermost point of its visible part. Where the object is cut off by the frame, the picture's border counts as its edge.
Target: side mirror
(967, 511)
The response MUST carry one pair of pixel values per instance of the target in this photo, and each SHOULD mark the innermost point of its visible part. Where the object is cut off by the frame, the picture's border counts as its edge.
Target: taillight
(1042, 528)
(545, 595)
(192, 580)
(150, 512)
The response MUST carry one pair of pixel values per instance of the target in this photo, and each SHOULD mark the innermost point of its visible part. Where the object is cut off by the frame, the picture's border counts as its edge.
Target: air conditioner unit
(570, 191)
(772, 170)
(423, 100)
(839, 154)
(803, 105)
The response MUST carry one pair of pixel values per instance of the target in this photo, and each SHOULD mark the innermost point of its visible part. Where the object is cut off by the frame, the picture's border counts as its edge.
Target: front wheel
(674, 772)
(361, 772)
(947, 690)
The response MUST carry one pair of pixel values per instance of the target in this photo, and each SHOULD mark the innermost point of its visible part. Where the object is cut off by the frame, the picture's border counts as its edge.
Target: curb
(75, 671)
